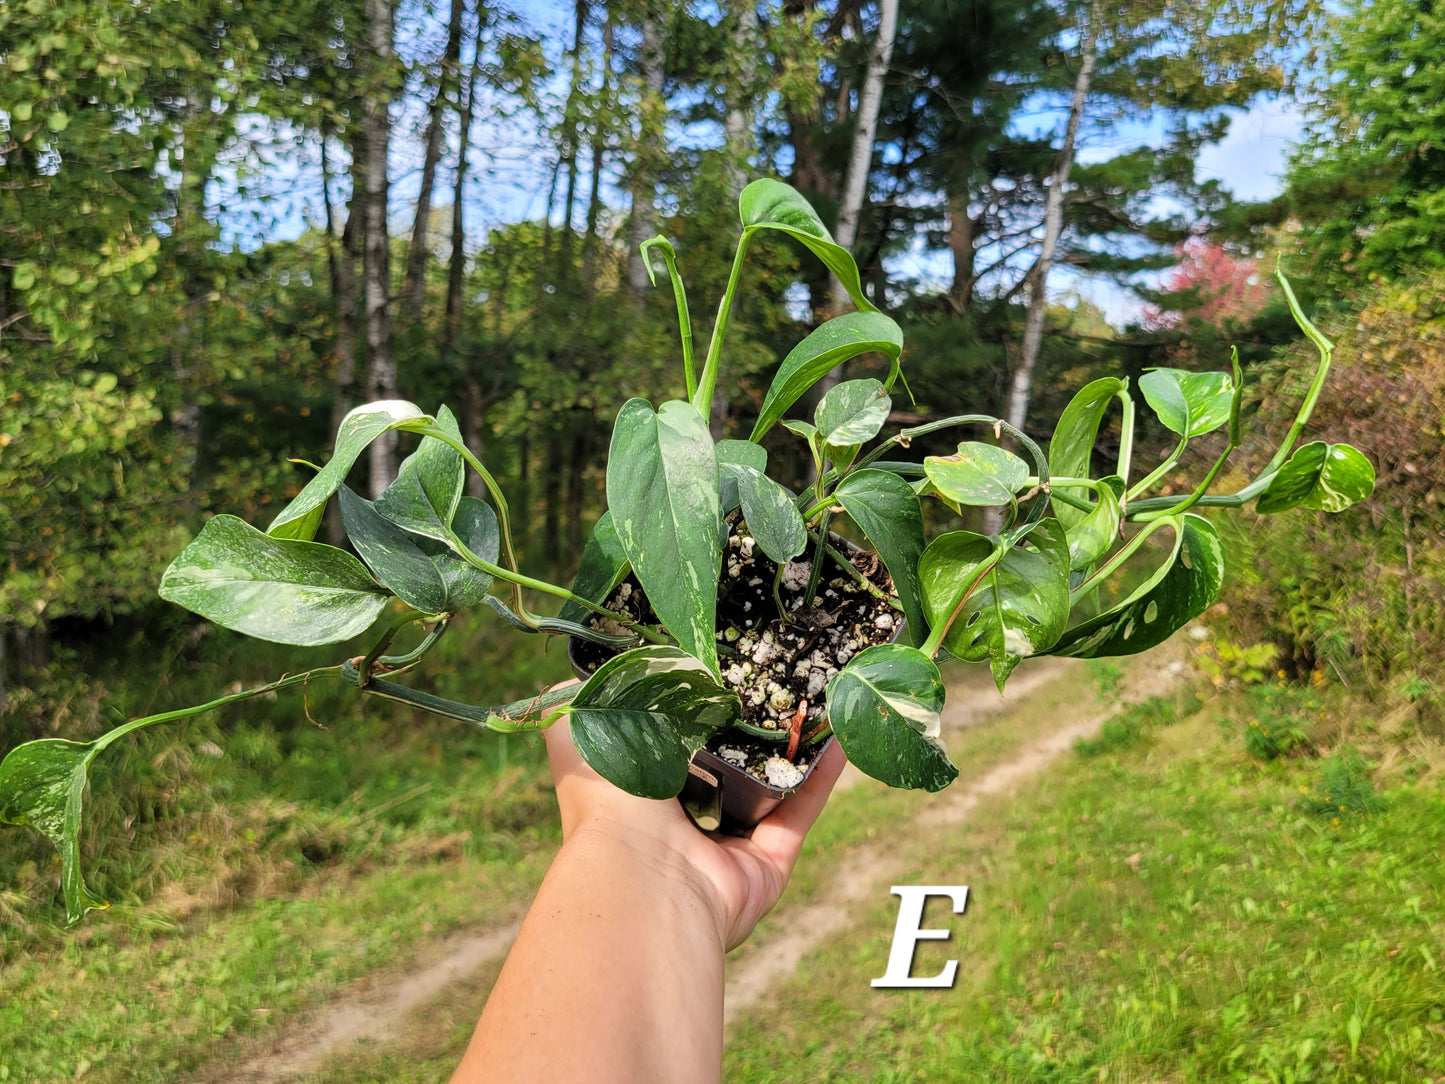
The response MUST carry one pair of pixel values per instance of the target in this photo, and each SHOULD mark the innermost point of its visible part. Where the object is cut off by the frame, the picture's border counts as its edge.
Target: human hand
(739, 880)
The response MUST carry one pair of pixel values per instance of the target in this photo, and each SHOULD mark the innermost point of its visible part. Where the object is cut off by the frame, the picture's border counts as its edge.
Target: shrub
(1345, 789)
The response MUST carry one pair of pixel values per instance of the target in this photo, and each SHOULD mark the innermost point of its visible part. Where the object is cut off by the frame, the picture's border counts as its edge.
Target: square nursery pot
(721, 796)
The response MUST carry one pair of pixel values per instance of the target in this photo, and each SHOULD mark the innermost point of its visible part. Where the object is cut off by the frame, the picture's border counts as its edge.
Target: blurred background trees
(221, 226)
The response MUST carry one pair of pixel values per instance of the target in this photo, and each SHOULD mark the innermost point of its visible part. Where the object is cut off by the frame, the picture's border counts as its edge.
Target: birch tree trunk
(376, 252)
(413, 290)
(1020, 387)
(341, 267)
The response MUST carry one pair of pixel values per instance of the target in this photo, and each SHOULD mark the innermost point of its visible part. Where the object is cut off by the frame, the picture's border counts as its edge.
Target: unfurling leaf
(302, 516)
(1095, 534)
(277, 589)
(769, 204)
(662, 491)
(1320, 476)
(884, 707)
(639, 719)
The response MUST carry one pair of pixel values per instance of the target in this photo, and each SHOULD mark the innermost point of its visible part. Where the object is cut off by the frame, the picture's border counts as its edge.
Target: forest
(225, 225)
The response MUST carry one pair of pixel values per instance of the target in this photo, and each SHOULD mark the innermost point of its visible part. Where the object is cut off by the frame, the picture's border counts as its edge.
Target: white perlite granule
(782, 773)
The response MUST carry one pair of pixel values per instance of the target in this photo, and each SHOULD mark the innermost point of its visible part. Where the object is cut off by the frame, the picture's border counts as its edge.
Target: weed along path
(424, 1015)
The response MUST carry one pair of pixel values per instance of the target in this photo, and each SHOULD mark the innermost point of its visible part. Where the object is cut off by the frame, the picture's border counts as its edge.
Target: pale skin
(617, 973)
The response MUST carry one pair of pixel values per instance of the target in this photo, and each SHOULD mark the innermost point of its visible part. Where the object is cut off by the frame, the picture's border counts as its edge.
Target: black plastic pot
(718, 795)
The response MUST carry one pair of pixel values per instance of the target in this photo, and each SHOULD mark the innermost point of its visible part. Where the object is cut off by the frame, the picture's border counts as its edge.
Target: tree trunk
(376, 252)
(960, 243)
(738, 124)
(1017, 409)
(651, 109)
(413, 291)
(341, 266)
(552, 495)
(571, 138)
(457, 260)
(591, 243)
(577, 469)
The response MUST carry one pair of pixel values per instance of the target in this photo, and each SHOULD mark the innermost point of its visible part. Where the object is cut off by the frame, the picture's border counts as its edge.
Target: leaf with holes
(662, 490)
(277, 589)
(1191, 582)
(640, 718)
(884, 709)
(978, 474)
(887, 511)
(300, 518)
(773, 205)
(1190, 404)
(1015, 599)
(1320, 476)
(831, 344)
(1071, 449)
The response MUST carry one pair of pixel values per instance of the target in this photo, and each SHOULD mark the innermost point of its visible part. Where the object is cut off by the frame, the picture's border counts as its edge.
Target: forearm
(617, 974)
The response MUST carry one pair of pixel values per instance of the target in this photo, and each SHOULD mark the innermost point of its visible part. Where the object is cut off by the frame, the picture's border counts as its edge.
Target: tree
(1369, 181)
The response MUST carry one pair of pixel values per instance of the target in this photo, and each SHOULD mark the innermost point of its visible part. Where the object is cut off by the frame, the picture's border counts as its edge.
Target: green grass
(1169, 912)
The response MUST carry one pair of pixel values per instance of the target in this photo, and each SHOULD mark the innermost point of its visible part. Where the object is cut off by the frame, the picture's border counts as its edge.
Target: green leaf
(769, 204)
(1320, 476)
(423, 498)
(1071, 448)
(639, 719)
(884, 708)
(1094, 535)
(1190, 404)
(393, 555)
(42, 785)
(978, 474)
(829, 345)
(1192, 579)
(1019, 606)
(604, 565)
(887, 511)
(769, 509)
(277, 589)
(475, 526)
(662, 490)
(302, 516)
(742, 453)
(852, 412)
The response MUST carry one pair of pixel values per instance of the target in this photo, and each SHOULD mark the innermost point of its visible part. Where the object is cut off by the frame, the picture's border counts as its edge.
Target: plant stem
(816, 574)
(1126, 437)
(1159, 471)
(1128, 550)
(847, 566)
(707, 384)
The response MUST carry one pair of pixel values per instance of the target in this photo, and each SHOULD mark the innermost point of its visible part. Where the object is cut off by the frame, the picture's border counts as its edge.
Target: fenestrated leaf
(42, 785)
(743, 453)
(829, 345)
(1191, 582)
(884, 708)
(1190, 404)
(662, 490)
(1072, 446)
(887, 511)
(852, 412)
(277, 589)
(770, 512)
(977, 474)
(1321, 476)
(639, 719)
(770, 204)
(302, 516)
(1019, 606)
(1094, 535)
(423, 498)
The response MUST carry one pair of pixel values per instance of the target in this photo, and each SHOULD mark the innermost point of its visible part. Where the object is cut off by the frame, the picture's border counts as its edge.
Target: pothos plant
(687, 514)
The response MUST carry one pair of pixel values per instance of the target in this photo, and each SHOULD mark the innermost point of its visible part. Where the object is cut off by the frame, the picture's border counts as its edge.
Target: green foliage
(1344, 790)
(1278, 722)
(1129, 727)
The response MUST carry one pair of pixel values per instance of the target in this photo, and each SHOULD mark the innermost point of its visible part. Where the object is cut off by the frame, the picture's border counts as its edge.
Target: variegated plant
(424, 552)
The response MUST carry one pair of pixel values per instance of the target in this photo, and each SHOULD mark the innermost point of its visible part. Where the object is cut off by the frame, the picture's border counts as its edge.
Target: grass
(1170, 910)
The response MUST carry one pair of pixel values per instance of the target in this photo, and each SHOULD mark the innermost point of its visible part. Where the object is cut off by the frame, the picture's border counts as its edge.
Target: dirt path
(376, 1018)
